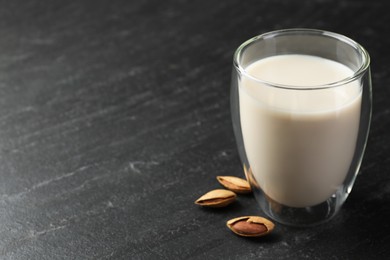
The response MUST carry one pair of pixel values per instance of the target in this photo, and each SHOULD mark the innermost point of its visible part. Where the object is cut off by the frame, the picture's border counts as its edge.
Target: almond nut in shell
(235, 184)
(217, 198)
(250, 226)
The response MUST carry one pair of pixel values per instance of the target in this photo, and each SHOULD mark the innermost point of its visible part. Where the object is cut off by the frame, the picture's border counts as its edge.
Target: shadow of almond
(273, 237)
(234, 207)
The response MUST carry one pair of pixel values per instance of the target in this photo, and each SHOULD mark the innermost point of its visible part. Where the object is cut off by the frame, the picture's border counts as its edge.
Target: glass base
(300, 217)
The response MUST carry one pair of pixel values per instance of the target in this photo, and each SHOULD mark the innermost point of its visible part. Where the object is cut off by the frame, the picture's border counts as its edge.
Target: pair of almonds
(221, 198)
(247, 226)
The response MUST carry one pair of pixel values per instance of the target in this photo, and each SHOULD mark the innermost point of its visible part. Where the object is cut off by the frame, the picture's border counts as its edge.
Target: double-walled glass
(301, 146)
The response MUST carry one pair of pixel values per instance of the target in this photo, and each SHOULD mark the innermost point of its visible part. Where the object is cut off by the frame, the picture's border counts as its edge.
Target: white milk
(299, 143)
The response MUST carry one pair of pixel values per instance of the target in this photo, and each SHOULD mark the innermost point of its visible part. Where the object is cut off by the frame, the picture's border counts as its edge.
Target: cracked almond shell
(250, 226)
(216, 198)
(235, 184)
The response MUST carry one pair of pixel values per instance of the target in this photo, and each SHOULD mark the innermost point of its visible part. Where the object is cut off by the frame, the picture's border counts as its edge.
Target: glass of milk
(301, 108)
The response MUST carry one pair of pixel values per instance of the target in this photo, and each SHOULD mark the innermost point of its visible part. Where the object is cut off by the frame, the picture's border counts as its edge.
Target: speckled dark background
(114, 118)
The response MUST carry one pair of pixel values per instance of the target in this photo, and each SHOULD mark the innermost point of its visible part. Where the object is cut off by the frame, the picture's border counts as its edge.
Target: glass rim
(356, 73)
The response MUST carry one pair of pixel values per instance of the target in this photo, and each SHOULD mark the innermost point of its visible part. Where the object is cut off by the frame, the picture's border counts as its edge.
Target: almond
(217, 198)
(235, 184)
(250, 226)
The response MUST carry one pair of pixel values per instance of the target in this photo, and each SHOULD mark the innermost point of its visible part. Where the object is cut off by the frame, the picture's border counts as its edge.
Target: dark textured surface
(114, 118)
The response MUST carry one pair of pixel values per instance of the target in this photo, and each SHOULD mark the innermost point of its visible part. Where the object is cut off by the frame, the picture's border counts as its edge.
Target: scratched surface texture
(114, 118)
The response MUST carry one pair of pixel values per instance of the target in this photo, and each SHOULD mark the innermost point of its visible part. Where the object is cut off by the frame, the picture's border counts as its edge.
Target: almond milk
(299, 142)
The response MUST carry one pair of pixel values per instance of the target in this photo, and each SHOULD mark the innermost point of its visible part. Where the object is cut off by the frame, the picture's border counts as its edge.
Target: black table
(114, 118)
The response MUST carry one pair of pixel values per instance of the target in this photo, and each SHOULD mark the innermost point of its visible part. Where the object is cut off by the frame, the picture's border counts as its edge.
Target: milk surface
(299, 142)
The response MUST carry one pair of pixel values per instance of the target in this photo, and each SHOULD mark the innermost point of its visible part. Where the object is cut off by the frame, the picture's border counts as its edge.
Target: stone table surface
(114, 118)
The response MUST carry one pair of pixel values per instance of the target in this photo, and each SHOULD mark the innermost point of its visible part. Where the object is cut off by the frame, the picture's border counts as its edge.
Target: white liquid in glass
(299, 143)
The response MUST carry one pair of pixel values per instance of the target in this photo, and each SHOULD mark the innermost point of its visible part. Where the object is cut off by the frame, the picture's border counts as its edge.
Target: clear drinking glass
(301, 145)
